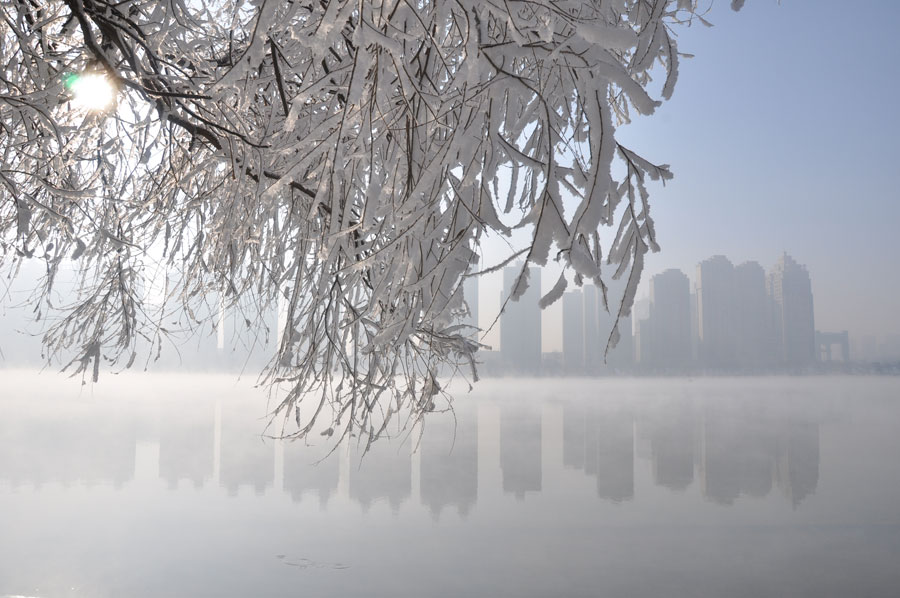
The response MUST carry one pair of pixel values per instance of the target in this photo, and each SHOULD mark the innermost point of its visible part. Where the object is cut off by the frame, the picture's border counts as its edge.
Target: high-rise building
(641, 327)
(665, 338)
(594, 342)
(520, 324)
(754, 339)
(643, 351)
(716, 312)
(790, 292)
(573, 332)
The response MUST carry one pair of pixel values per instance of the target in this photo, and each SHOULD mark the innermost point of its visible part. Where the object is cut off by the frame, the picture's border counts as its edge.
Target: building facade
(664, 338)
(573, 332)
(755, 346)
(520, 323)
(791, 300)
(716, 317)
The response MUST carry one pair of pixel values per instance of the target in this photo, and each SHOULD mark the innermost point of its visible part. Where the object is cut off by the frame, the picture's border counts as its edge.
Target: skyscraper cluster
(737, 318)
(733, 318)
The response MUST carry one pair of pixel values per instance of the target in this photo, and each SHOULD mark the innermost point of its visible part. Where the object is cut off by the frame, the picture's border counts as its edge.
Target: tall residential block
(520, 324)
(791, 299)
(716, 313)
(664, 339)
(754, 339)
(573, 332)
(594, 342)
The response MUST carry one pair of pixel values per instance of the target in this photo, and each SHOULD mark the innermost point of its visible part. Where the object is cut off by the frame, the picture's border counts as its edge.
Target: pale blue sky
(782, 136)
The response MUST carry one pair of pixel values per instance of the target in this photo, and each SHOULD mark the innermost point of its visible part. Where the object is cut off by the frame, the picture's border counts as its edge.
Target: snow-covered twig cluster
(343, 157)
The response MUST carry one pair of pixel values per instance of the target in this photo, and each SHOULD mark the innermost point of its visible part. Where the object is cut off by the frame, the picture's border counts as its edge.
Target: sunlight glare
(93, 91)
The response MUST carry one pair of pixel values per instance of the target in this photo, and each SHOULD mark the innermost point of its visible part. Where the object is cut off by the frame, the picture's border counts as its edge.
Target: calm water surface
(163, 486)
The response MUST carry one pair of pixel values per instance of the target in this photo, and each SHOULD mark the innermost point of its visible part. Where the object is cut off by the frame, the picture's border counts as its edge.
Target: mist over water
(163, 485)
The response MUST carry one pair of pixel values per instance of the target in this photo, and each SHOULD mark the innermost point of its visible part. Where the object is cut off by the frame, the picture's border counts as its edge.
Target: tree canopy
(344, 158)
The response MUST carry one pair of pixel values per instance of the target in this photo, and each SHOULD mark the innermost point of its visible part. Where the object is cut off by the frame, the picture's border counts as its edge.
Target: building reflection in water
(310, 471)
(383, 472)
(615, 456)
(449, 461)
(246, 458)
(733, 447)
(797, 470)
(746, 448)
(672, 439)
(67, 446)
(601, 444)
(737, 454)
(186, 443)
(520, 449)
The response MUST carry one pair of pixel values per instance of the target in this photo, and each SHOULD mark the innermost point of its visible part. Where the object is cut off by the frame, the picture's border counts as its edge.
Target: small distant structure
(826, 340)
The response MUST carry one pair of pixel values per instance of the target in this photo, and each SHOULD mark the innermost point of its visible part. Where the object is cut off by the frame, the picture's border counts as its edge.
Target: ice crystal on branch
(346, 158)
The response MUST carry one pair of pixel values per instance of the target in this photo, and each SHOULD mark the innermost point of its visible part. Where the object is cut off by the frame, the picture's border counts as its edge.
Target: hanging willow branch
(343, 158)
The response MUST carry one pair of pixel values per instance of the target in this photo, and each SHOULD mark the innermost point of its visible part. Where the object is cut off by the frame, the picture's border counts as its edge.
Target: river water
(162, 485)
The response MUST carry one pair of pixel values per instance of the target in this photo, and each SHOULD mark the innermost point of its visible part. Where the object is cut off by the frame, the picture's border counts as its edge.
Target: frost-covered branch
(346, 158)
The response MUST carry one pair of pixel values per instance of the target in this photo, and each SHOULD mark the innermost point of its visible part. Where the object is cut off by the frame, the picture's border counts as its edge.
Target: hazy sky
(782, 136)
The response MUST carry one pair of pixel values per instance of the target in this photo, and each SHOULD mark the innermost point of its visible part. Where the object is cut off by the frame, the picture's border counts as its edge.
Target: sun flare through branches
(92, 91)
